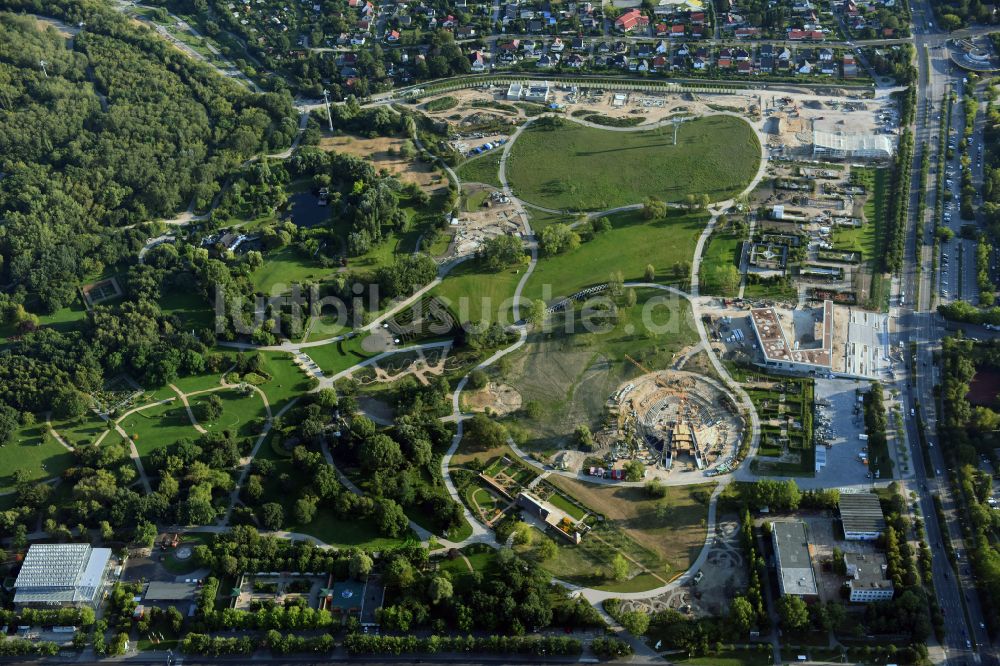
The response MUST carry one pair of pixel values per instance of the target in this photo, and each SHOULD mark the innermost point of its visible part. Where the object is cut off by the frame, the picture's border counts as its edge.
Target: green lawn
(158, 427)
(287, 379)
(33, 450)
(482, 169)
(238, 412)
(474, 294)
(82, 430)
(286, 266)
(337, 356)
(631, 245)
(721, 253)
(577, 167)
(190, 307)
(561, 502)
(62, 320)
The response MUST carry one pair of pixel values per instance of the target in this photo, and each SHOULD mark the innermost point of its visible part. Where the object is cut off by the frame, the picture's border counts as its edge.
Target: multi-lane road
(965, 638)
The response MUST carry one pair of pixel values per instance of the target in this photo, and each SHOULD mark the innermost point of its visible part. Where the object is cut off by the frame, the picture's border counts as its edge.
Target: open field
(158, 426)
(571, 375)
(482, 169)
(675, 538)
(193, 311)
(578, 167)
(287, 380)
(286, 266)
(34, 451)
(239, 412)
(631, 245)
(337, 356)
(475, 294)
(82, 430)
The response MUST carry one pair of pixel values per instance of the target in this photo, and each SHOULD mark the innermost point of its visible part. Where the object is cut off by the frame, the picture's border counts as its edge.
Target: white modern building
(852, 146)
(62, 574)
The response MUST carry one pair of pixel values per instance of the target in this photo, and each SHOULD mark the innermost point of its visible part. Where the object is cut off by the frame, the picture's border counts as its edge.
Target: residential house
(850, 68)
(744, 67)
(677, 31)
(534, 26)
(465, 32)
(698, 63)
(678, 63)
(393, 36)
(546, 61)
(631, 20)
(620, 47)
(643, 66)
(804, 67)
(578, 44)
(575, 60)
(644, 50)
(405, 21)
(683, 50)
(725, 58)
(747, 33)
(826, 55)
(557, 46)
(662, 29)
(477, 61)
(661, 47)
(697, 18)
(603, 47)
(741, 55)
(620, 61)
(659, 62)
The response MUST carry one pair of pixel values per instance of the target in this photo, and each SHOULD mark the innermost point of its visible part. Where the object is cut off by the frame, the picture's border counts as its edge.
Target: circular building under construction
(683, 420)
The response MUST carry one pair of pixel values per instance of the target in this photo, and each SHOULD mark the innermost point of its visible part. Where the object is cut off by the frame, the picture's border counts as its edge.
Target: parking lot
(838, 423)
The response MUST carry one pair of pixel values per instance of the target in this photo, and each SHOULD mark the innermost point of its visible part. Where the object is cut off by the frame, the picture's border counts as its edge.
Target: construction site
(675, 421)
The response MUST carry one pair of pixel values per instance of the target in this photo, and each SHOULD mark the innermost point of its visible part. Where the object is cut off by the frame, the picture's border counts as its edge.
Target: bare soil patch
(502, 399)
(377, 151)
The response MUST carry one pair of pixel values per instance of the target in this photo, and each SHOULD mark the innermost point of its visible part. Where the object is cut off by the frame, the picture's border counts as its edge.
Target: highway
(964, 623)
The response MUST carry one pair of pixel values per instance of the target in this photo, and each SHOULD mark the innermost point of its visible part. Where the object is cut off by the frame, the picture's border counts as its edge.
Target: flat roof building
(861, 514)
(868, 581)
(780, 354)
(791, 549)
(160, 591)
(62, 574)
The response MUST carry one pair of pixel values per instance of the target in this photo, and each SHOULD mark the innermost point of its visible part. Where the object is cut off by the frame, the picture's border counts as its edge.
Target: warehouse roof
(861, 512)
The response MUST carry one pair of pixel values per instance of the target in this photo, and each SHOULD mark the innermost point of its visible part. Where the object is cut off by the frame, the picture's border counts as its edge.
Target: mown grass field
(578, 167)
(482, 169)
(631, 245)
(722, 251)
(475, 294)
(158, 426)
(34, 451)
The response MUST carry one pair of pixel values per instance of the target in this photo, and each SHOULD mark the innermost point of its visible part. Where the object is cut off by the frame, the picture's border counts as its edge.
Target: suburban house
(477, 61)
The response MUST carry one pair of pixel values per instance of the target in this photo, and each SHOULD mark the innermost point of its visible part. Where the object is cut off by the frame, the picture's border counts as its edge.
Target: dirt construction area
(384, 153)
(501, 399)
(489, 213)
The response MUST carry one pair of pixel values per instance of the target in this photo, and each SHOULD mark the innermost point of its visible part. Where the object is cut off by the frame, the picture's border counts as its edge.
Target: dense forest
(115, 129)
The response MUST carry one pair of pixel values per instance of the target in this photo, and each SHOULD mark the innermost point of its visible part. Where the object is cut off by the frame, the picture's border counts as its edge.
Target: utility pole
(329, 116)
(42, 64)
